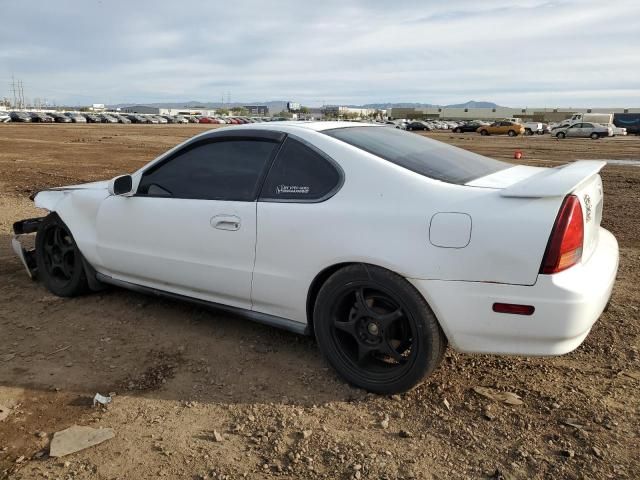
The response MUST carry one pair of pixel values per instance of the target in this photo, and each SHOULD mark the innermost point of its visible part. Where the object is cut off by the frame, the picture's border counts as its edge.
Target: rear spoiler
(555, 182)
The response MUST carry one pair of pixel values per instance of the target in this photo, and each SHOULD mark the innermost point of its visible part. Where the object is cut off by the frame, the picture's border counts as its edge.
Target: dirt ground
(179, 372)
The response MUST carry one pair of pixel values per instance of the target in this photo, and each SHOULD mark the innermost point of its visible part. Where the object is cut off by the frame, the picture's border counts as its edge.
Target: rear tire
(59, 260)
(561, 135)
(376, 330)
(512, 133)
(484, 133)
(457, 130)
(594, 136)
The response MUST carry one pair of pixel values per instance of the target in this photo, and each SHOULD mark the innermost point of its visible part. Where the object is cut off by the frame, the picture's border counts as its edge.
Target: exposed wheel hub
(378, 326)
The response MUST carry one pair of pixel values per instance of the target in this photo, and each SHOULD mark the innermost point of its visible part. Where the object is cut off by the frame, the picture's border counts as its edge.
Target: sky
(515, 53)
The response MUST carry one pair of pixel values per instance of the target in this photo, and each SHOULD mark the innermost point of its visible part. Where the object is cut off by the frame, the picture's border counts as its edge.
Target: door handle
(226, 222)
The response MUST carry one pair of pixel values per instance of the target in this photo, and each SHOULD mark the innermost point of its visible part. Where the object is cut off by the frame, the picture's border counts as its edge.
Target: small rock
(4, 412)
(597, 452)
(357, 467)
(251, 418)
(405, 434)
(568, 453)
(509, 398)
(217, 436)
(446, 404)
(76, 438)
(67, 464)
(396, 398)
(488, 414)
(41, 434)
(385, 423)
(306, 433)
(20, 459)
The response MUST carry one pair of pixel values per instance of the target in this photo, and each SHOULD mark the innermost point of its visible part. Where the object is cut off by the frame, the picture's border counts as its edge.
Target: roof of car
(317, 126)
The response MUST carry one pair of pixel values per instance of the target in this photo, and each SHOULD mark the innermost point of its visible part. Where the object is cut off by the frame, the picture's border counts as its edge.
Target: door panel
(199, 248)
(574, 131)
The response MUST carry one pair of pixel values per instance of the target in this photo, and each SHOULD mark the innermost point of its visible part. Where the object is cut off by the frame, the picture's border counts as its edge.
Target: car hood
(101, 185)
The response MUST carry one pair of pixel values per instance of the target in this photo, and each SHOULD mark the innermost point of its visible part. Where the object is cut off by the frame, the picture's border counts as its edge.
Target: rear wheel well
(315, 287)
(317, 284)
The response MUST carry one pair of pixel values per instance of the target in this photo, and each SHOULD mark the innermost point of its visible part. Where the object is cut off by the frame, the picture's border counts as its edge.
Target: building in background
(146, 109)
(336, 111)
(541, 114)
(258, 110)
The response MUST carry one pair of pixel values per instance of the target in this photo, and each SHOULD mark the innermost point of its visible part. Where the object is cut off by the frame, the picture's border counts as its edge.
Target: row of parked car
(513, 128)
(112, 117)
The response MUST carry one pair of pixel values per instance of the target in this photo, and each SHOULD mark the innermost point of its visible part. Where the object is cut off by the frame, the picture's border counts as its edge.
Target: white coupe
(384, 244)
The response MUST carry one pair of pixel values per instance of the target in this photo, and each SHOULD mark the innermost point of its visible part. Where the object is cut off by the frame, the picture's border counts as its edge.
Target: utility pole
(13, 89)
(21, 93)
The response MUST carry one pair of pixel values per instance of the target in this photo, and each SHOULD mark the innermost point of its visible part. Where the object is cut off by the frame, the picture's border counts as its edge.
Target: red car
(206, 120)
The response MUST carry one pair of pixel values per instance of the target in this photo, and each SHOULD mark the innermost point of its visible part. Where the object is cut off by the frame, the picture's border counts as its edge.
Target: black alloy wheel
(372, 330)
(376, 330)
(58, 258)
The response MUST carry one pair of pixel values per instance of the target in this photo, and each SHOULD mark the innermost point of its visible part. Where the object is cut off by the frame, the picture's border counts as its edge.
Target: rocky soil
(201, 394)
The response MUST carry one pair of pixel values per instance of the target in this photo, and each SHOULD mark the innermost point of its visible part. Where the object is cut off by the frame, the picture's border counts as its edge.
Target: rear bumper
(567, 304)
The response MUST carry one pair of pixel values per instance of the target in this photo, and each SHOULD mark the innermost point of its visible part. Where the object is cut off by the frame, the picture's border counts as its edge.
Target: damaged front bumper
(27, 257)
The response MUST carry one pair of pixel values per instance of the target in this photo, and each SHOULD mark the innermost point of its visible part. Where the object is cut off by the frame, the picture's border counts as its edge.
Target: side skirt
(271, 320)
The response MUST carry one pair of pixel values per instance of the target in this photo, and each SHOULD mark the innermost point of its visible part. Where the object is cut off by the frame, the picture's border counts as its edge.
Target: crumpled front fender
(49, 199)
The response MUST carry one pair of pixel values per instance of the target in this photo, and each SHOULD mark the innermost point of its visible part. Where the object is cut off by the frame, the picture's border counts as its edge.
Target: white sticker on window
(295, 189)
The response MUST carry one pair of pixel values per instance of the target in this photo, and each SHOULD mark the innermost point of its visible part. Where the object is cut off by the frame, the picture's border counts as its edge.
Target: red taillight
(565, 244)
(513, 308)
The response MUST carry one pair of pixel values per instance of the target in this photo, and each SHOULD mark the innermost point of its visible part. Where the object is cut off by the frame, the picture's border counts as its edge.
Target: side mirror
(122, 185)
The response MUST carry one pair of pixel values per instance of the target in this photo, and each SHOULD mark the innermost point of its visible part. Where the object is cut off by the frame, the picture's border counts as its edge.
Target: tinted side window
(300, 173)
(222, 170)
(419, 154)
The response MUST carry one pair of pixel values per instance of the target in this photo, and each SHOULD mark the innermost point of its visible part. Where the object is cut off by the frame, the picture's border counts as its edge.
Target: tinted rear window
(300, 174)
(419, 154)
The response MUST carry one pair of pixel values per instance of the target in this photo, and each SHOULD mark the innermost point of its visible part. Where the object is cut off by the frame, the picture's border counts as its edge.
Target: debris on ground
(101, 399)
(76, 438)
(509, 398)
(4, 412)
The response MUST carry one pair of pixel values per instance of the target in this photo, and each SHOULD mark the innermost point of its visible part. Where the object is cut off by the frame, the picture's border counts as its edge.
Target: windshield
(419, 154)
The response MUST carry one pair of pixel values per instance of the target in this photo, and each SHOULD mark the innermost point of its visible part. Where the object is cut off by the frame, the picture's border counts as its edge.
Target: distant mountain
(384, 106)
(469, 104)
(276, 106)
(473, 104)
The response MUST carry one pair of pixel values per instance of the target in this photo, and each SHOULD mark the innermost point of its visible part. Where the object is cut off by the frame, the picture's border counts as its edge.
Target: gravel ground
(200, 394)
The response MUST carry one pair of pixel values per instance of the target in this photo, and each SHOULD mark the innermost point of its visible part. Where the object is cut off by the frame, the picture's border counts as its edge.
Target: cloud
(528, 52)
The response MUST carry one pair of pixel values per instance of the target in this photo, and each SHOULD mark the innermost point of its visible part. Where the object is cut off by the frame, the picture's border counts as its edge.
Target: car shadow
(129, 343)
